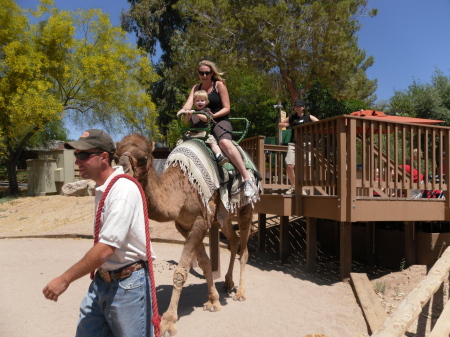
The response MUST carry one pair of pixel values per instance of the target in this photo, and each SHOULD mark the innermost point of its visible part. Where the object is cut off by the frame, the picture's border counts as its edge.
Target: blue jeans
(121, 308)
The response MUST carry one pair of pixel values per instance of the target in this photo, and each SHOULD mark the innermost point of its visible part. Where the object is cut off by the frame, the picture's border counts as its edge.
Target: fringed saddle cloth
(197, 161)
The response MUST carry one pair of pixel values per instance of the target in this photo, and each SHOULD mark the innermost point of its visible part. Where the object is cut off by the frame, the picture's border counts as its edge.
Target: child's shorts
(198, 134)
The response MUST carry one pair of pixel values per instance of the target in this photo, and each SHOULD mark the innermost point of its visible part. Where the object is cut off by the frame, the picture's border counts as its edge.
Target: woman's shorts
(290, 157)
(222, 130)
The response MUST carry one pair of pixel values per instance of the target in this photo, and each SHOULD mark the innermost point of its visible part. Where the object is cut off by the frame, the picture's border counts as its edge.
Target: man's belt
(121, 273)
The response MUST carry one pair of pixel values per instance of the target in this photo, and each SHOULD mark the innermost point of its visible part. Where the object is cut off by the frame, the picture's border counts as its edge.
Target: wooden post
(411, 306)
(345, 250)
(214, 251)
(410, 243)
(370, 303)
(284, 238)
(442, 327)
(370, 242)
(262, 217)
(311, 243)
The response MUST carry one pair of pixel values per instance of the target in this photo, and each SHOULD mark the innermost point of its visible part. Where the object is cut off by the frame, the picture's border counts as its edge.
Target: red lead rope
(156, 318)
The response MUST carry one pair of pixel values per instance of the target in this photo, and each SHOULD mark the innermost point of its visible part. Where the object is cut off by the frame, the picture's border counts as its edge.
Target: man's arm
(93, 259)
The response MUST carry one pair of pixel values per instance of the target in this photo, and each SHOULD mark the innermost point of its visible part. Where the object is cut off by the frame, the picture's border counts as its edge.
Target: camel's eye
(142, 161)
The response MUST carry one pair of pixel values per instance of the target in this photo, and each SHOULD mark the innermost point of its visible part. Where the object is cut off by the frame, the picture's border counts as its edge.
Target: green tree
(295, 42)
(322, 104)
(68, 63)
(302, 40)
(424, 100)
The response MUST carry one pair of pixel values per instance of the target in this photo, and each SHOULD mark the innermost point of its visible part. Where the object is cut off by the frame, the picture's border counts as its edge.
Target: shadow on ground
(327, 271)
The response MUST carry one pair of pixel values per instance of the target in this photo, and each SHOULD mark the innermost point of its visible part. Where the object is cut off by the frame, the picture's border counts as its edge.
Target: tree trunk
(12, 178)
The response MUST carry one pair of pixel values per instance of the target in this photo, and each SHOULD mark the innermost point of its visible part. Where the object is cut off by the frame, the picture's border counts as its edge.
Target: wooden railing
(270, 161)
(366, 155)
(357, 158)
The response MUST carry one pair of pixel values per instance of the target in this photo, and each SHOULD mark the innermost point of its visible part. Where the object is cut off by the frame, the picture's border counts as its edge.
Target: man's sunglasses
(85, 155)
(204, 73)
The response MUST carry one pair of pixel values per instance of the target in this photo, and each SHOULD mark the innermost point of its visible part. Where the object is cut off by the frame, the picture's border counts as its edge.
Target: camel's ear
(151, 147)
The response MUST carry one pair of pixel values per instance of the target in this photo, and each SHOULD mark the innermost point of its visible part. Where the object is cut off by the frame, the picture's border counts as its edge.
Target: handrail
(207, 129)
(210, 121)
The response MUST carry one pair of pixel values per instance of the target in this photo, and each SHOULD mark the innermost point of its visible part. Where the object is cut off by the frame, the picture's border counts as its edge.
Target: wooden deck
(357, 173)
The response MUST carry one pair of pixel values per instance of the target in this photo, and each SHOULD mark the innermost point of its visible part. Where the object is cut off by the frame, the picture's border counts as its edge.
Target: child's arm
(203, 117)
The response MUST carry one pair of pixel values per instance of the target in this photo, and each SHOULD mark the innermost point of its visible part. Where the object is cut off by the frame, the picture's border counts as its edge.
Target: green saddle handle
(237, 133)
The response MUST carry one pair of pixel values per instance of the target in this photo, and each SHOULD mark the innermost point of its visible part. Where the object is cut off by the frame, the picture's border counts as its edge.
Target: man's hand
(93, 259)
(55, 288)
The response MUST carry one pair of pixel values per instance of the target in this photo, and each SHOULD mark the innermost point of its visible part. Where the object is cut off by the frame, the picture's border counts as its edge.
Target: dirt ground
(43, 236)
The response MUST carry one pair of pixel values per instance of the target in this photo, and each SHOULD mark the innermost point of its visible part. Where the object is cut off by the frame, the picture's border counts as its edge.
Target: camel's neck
(165, 194)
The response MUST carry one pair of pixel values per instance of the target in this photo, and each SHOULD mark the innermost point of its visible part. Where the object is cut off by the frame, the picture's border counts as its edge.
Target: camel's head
(134, 154)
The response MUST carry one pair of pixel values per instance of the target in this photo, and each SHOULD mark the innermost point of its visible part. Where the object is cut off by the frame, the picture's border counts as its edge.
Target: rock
(79, 188)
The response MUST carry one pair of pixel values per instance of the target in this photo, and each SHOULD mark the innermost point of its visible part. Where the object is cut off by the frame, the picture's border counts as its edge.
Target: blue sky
(408, 38)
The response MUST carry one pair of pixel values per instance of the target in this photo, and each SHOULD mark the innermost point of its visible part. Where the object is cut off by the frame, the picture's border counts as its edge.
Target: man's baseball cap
(299, 102)
(93, 138)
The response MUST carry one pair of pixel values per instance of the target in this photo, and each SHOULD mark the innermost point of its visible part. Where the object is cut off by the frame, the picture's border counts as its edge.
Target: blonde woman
(219, 103)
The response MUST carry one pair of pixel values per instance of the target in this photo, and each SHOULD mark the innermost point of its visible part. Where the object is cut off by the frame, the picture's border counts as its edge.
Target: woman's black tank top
(215, 104)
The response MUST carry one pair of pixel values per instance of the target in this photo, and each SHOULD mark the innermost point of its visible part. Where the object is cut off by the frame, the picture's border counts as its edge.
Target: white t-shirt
(122, 222)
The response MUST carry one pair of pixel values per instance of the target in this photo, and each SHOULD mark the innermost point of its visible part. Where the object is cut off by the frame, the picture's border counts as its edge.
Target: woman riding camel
(219, 103)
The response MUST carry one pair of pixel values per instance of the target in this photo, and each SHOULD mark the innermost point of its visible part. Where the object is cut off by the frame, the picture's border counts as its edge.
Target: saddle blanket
(196, 160)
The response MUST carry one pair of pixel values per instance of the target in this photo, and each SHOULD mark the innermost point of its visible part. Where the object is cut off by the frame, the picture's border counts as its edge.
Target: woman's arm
(314, 119)
(284, 123)
(224, 98)
(190, 101)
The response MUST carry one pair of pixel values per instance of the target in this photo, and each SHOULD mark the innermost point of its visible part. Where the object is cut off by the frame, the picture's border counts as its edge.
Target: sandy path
(280, 302)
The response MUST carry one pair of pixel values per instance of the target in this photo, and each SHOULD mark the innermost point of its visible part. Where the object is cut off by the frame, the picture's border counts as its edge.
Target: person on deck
(298, 118)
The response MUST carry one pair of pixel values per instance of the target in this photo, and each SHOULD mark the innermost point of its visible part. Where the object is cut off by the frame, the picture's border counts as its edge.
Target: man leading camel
(118, 302)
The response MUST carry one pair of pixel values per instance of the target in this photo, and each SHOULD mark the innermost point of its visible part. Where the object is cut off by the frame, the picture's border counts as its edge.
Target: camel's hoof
(209, 308)
(239, 298)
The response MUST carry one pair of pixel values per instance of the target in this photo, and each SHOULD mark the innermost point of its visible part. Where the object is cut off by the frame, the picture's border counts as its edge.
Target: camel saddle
(196, 159)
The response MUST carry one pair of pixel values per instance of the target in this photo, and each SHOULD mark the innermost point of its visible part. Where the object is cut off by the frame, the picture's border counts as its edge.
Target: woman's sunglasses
(85, 155)
(204, 73)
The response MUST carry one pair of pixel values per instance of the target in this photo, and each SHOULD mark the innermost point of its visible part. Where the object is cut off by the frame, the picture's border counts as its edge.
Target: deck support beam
(410, 243)
(262, 226)
(370, 243)
(311, 244)
(345, 249)
(284, 238)
(214, 250)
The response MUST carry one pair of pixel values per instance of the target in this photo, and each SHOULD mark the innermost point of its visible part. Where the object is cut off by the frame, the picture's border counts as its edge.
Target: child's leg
(215, 148)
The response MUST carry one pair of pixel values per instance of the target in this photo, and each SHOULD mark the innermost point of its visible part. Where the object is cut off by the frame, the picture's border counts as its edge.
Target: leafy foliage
(424, 100)
(292, 43)
(68, 63)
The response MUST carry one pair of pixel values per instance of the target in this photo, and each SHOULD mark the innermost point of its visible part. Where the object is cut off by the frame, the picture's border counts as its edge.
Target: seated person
(200, 121)
(415, 176)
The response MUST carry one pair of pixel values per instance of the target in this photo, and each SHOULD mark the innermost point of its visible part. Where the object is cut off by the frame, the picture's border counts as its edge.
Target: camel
(170, 196)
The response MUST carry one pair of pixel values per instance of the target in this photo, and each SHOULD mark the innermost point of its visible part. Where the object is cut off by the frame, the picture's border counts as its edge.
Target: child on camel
(200, 121)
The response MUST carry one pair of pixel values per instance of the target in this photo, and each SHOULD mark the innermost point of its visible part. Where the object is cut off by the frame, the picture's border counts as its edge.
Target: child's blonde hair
(201, 94)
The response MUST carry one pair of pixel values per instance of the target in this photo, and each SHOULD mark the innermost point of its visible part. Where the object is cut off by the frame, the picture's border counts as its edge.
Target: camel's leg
(231, 235)
(245, 222)
(213, 303)
(193, 240)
